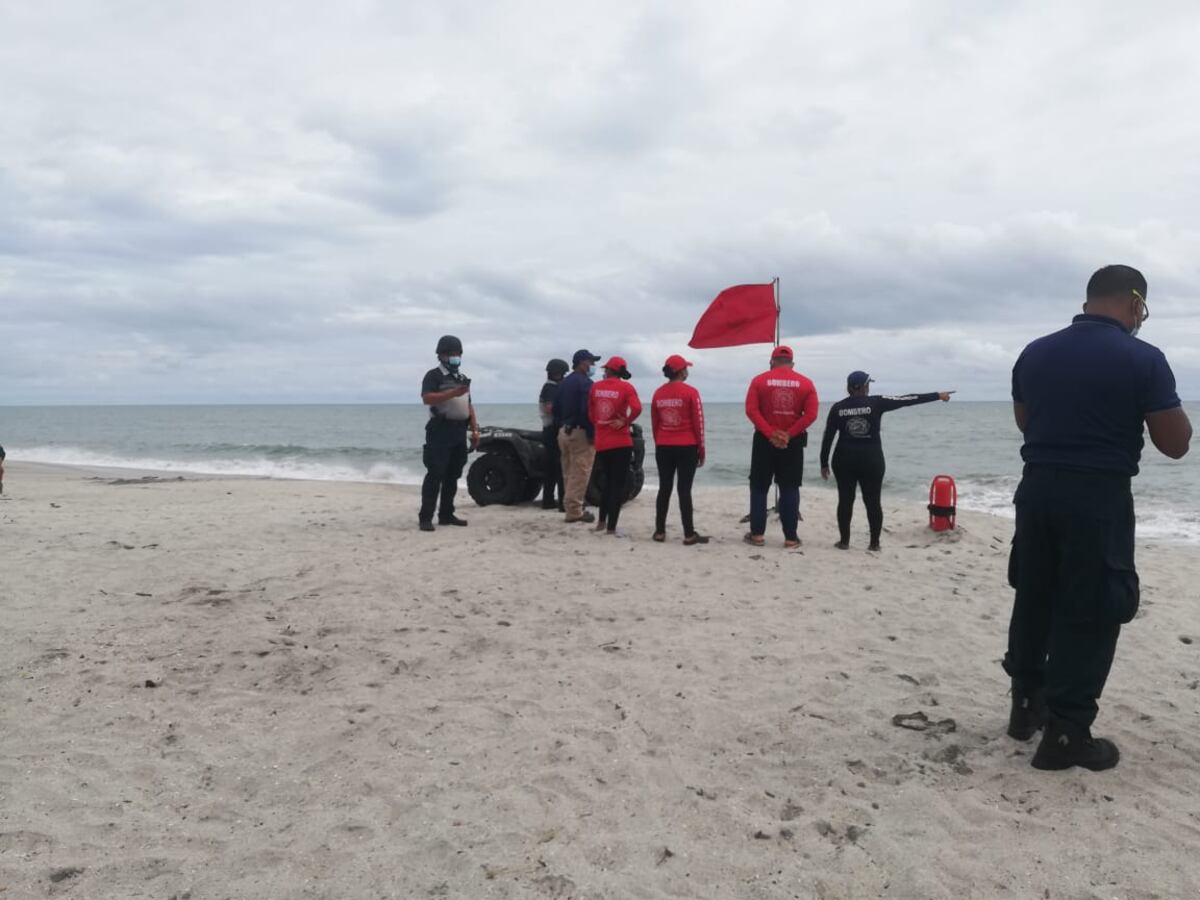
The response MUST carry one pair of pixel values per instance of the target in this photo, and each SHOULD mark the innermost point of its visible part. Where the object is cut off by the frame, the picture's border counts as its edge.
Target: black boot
(1064, 745)
(1028, 714)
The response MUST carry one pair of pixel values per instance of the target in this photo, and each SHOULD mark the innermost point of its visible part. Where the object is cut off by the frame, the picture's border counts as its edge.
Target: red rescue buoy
(943, 498)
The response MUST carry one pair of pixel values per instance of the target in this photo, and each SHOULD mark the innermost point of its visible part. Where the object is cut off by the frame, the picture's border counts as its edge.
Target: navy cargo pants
(1073, 570)
(445, 456)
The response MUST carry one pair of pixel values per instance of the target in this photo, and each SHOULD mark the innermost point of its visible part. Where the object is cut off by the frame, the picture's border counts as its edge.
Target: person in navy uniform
(576, 435)
(447, 393)
(556, 370)
(858, 460)
(1081, 397)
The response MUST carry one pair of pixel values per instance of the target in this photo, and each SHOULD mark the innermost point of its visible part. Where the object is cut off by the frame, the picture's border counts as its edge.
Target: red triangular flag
(744, 314)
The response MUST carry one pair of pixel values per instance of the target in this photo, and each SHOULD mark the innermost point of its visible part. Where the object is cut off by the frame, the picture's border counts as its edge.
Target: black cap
(582, 356)
(557, 367)
(449, 344)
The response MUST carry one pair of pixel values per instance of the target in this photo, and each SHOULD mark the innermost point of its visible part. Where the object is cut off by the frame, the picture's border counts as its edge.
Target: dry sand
(272, 689)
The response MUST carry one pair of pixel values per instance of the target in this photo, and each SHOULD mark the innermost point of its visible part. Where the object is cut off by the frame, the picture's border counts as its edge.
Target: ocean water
(976, 443)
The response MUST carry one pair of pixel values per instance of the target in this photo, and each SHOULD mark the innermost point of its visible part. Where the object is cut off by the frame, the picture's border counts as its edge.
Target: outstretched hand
(944, 396)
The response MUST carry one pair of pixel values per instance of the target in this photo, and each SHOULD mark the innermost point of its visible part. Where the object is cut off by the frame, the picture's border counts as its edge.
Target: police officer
(556, 370)
(447, 393)
(1081, 396)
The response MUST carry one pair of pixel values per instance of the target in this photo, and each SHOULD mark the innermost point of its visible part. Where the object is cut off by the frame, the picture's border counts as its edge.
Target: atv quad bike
(512, 463)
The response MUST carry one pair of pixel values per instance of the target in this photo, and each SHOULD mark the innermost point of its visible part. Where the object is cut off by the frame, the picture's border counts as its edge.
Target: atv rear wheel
(634, 480)
(533, 487)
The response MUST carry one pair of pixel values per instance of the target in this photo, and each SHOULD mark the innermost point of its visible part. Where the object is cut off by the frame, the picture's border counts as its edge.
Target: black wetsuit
(858, 460)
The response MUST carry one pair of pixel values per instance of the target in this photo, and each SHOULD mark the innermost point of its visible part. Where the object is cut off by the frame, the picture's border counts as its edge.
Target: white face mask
(454, 361)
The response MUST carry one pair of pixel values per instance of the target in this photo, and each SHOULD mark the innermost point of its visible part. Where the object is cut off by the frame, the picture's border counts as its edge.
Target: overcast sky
(291, 201)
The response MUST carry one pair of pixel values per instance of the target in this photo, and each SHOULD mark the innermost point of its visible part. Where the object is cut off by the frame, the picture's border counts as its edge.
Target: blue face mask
(454, 361)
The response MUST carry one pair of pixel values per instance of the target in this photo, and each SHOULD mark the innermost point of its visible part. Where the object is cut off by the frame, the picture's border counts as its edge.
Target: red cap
(616, 363)
(677, 363)
(782, 352)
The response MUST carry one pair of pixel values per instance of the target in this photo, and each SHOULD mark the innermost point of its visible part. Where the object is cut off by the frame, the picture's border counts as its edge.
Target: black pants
(553, 477)
(615, 465)
(672, 461)
(1073, 570)
(854, 469)
(443, 466)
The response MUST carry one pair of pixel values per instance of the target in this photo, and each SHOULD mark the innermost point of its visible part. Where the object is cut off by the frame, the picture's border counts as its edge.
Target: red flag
(744, 314)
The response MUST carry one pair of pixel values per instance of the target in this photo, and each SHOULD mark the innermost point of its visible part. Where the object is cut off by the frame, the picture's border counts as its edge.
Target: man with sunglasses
(1081, 397)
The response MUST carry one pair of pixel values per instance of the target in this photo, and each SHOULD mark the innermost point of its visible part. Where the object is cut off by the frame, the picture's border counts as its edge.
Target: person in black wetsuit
(858, 460)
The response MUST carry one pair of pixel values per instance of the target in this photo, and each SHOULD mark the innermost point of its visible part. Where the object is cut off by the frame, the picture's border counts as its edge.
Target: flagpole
(777, 338)
(777, 310)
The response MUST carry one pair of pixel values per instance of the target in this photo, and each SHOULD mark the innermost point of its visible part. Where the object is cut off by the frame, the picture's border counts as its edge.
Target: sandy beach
(239, 688)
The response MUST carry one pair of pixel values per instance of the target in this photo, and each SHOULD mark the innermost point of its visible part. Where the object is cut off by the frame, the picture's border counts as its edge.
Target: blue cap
(584, 355)
(857, 378)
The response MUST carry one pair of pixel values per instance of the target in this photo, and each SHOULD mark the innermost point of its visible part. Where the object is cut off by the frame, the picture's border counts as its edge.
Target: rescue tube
(943, 499)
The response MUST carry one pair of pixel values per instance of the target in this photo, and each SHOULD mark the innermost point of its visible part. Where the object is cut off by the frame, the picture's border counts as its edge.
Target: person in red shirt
(677, 419)
(781, 403)
(612, 405)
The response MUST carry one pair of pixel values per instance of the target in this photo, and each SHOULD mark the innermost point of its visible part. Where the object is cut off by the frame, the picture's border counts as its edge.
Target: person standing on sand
(575, 435)
(677, 420)
(1081, 397)
(781, 403)
(1, 470)
(612, 405)
(552, 480)
(447, 393)
(858, 460)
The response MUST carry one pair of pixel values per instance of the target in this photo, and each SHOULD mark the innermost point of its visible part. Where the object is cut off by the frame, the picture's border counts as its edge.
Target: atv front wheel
(495, 478)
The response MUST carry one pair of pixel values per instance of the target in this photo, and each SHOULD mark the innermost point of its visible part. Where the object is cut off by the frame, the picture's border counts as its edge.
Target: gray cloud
(293, 202)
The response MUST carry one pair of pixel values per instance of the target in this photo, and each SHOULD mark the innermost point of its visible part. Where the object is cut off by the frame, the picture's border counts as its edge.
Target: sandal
(791, 545)
(659, 536)
(754, 540)
(695, 539)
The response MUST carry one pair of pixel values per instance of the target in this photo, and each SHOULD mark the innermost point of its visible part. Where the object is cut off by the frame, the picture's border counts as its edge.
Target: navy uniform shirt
(1087, 390)
(546, 397)
(571, 403)
(447, 420)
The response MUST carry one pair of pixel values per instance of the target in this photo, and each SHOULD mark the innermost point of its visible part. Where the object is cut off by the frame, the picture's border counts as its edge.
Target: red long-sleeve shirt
(781, 400)
(613, 398)
(677, 416)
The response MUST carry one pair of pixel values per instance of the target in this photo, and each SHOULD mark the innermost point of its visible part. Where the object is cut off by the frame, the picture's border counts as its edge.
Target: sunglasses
(1145, 305)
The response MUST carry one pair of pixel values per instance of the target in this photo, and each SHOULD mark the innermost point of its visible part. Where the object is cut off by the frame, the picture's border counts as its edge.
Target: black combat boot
(1065, 745)
(1028, 714)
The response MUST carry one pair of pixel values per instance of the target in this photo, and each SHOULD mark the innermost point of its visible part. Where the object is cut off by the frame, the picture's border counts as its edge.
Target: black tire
(633, 484)
(533, 487)
(595, 487)
(495, 478)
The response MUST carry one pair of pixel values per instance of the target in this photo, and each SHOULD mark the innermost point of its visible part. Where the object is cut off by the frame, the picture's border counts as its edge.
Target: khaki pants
(577, 457)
